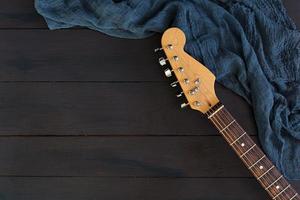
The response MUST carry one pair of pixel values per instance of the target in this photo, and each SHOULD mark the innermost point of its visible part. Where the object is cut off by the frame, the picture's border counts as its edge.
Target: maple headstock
(196, 81)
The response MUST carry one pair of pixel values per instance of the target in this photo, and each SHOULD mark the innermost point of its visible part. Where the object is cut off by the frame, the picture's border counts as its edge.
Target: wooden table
(85, 116)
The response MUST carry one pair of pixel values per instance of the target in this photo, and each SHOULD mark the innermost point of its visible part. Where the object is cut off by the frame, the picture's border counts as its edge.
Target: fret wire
(265, 173)
(294, 196)
(219, 128)
(248, 151)
(227, 126)
(257, 161)
(282, 191)
(273, 187)
(269, 176)
(237, 139)
(225, 118)
(274, 182)
(234, 129)
(283, 184)
(210, 116)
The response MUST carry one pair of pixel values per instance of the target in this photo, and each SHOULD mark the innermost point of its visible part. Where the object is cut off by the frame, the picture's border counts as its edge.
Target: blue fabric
(252, 47)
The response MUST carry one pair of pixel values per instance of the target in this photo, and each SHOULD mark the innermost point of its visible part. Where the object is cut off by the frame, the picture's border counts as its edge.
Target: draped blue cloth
(252, 47)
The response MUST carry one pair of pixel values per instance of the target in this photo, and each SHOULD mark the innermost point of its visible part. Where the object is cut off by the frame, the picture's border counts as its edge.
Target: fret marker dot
(261, 167)
(243, 144)
(277, 187)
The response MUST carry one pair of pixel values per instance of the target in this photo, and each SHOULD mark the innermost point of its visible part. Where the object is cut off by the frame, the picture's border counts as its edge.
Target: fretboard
(252, 156)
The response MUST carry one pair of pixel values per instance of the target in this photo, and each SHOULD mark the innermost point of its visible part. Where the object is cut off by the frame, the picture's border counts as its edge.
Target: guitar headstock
(196, 81)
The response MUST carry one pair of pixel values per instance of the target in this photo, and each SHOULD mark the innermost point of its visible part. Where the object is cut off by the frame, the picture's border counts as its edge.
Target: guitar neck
(251, 155)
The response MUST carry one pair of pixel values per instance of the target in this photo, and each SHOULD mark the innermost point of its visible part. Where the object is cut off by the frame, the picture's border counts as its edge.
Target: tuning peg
(186, 81)
(162, 61)
(174, 84)
(158, 49)
(194, 90)
(197, 81)
(168, 72)
(183, 105)
(197, 103)
(169, 46)
(180, 94)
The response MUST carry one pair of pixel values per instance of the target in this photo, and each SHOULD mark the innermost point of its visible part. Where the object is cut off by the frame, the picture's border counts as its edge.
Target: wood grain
(119, 157)
(18, 14)
(78, 188)
(76, 55)
(92, 108)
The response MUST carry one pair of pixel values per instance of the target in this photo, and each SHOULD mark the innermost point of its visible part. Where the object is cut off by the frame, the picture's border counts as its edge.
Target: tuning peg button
(162, 61)
(158, 49)
(169, 46)
(180, 94)
(168, 72)
(174, 84)
(183, 105)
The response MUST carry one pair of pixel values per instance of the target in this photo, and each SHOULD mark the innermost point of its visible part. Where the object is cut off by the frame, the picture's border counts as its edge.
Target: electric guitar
(197, 84)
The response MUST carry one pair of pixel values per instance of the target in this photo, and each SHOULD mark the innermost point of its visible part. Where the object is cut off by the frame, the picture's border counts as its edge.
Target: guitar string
(271, 192)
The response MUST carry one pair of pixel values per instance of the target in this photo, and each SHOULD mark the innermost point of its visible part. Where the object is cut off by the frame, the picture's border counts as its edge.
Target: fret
(261, 167)
(215, 112)
(265, 172)
(293, 197)
(237, 139)
(274, 182)
(227, 126)
(247, 151)
(257, 161)
(282, 191)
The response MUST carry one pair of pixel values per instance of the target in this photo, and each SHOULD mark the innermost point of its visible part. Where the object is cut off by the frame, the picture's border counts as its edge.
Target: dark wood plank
(21, 14)
(130, 188)
(71, 108)
(292, 7)
(76, 55)
(127, 156)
